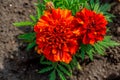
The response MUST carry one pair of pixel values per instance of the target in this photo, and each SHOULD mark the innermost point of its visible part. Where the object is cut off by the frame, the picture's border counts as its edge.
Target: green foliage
(28, 37)
(52, 75)
(44, 61)
(73, 63)
(67, 66)
(61, 75)
(100, 8)
(33, 18)
(31, 45)
(106, 43)
(86, 49)
(40, 7)
(46, 1)
(73, 5)
(25, 23)
(63, 69)
(55, 68)
(46, 69)
(98, 47)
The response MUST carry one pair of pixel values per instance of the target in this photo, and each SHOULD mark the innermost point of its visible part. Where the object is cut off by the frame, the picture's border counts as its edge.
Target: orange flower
(93, 27)
(56, 36)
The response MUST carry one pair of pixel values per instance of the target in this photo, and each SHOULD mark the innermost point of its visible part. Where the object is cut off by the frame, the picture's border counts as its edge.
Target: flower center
(56, 36)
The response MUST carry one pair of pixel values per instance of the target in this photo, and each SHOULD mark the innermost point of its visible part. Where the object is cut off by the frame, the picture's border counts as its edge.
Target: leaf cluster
(55, 69)
(96, 6)
(60, 69)
(97, 48)
(73, 5)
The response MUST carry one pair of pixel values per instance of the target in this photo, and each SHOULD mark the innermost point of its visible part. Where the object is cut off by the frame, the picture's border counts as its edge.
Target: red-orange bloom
(55, 35)
(93, 27)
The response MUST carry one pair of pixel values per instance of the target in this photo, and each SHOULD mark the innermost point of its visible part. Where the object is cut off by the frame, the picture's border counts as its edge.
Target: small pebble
(36, 70)
(23, 57)
(12, 57)
(118, 29)
(10, 5)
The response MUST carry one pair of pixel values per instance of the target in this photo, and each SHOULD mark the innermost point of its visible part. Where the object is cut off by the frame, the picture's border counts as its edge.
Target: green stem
(79, 66)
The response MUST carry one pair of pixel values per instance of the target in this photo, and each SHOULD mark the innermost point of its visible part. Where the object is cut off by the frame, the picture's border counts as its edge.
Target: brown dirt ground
(17, 64)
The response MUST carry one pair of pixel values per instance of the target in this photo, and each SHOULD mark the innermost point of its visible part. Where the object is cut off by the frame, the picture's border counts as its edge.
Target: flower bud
(49, 6)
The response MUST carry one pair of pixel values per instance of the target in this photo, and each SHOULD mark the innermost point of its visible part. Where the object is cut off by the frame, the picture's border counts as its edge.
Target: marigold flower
(93, 27)
(55, 35)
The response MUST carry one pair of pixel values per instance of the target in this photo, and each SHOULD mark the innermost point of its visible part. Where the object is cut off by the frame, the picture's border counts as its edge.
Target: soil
(17, 64)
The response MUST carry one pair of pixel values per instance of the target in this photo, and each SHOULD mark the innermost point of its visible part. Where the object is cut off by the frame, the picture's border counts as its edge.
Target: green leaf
(99, 49)
(73, 63)
(38, 1)
(107, 38)
(90, 54)
(46, 1)
(86, 49)
(89, 51)
(27, 36)
(52, 75)
(104, 7)
(44, 61)
(63, 69)
(66, 2)
(106, 43)
(108, 14)
(31, 45)
(58, 4)
(40, 9)
(82, 1)
(42, 58)
(82, 54)
(61, 75)
(47, 63)
(46, 69)
(71, 2)
(110, 42)
(20, 24)
(102, 43)
(33, 18)
(79, 66)
(96, 7)
(66, 65)
(92, 3)
(86, 5)
(38, 13)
